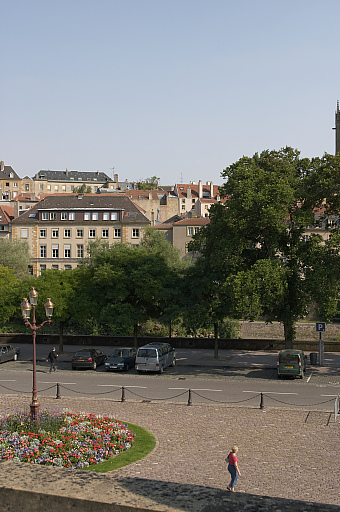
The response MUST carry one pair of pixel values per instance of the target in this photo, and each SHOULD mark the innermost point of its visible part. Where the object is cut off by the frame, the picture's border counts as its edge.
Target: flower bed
(62, 439)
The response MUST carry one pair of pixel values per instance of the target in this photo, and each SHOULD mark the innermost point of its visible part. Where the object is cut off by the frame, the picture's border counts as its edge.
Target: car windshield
(147, 352)
(85, 353)
(120, 353)
(289, 358)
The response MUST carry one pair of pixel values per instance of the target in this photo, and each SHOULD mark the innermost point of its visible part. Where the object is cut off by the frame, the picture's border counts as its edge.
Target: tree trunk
(61, 337)
(135, 339)
(216, 340)
(289, 332)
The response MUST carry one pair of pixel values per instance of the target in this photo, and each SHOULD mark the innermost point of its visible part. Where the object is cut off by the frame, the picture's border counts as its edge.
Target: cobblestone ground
(283, 453)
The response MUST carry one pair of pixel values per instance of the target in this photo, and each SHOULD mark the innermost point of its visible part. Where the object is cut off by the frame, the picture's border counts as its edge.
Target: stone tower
(337, 129)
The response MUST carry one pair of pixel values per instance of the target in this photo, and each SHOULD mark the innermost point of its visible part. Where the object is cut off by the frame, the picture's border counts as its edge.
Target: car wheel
(94, 366)
(161, 370)
(173, 362)
(15, 357)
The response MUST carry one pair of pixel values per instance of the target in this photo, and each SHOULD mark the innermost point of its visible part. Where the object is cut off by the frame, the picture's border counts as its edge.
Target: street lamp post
(26, 314)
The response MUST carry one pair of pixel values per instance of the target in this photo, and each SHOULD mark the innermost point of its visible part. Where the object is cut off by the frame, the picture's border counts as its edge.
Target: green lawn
(145, 443)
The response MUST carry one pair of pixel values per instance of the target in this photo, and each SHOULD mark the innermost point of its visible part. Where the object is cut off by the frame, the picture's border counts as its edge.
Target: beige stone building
(179, 231)
(59, 227)
(68, 182)
(196, 198)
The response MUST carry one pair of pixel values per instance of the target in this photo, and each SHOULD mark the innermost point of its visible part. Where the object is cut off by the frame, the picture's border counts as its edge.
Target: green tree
(15, 254)
(255, 245)
(10, 297)
(148, 183)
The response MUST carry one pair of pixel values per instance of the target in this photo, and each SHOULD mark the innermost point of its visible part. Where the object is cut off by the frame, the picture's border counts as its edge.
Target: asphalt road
(207, 385)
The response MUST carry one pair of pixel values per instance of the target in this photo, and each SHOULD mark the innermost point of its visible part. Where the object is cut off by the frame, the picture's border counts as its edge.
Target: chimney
(150, 196)
(189, 192)
(200, 189)
(211, 189)
(2, 165)
(97, 173)
(115, 178)
(66, 172)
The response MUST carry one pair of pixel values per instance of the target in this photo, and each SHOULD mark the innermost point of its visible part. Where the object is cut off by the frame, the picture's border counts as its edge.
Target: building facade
(59, 227)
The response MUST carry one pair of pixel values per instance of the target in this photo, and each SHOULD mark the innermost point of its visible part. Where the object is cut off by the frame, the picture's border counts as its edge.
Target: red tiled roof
(194, 190)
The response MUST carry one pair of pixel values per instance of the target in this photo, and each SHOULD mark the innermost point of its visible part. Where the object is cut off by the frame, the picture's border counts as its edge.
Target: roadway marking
(118, 386)
(192, 389)
(51, 382)
(309, 377)
(329, 395)
(270, 393)
(8, 380)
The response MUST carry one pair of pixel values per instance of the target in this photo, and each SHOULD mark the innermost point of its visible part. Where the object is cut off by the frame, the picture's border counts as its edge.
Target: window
(24, 233)
(87, 216)
(53, 216)
(55, 267)
(49, 187)
(135, 233)
(43, 251)
(190, 231)
(63, 215)
(92, 233)
(15, 185)
(106, 216)
(72, 188)
(41, 186)
(71, 216)
(68, 267)
(114, 216)
(80, 233)
(63, 188)
(43, 233)
(183, 200)
(55, 233)
(105, 233)
(95, 189)
(67, 233)
(80, 251)
(183, 206)
(7, 184)
(94, 216)
(117, 233)
(196, 230)
(193, 201)
(55, 251)
(67, 251)
(27, 187)
(44, 216)
(42, 268)
(56, 188)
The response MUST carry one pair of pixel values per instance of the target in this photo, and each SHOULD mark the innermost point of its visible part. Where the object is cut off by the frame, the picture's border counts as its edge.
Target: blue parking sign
(320, 326)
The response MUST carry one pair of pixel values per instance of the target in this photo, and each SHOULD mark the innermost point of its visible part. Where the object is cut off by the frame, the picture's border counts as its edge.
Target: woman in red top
(233, 468)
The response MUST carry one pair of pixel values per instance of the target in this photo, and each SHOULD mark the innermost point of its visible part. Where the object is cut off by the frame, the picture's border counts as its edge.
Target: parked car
(292, 363)
(8, 353)
(122, 358)
(154, 357)
(88, 358)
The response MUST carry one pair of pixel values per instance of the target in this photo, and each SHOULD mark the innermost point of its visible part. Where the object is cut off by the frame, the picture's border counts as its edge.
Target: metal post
(34, 406)
(189, 400)
(261, 403)
(123, 394)
(321, 349)
(58, 391)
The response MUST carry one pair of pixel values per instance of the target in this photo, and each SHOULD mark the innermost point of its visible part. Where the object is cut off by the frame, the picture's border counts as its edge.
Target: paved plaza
(292, 454)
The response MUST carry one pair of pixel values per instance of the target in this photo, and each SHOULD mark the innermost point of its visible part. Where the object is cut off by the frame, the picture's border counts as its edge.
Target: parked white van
(154, 357)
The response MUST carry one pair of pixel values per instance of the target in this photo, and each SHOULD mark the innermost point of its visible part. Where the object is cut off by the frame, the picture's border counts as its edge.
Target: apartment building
(55, 182)
(10, 182)
(59, 227)
(196, 198)
(179, 231)
(6, 218)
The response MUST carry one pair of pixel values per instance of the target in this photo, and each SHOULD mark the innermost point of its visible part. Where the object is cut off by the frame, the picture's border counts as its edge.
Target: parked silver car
(8, 353)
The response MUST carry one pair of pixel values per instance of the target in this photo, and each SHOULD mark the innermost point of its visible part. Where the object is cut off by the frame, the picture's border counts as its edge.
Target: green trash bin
(313, 358)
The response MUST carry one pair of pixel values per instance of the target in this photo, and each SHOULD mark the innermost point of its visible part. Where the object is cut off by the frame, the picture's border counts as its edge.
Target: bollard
(123, 394)
(261, 403)
(189, 400)
(58, 391)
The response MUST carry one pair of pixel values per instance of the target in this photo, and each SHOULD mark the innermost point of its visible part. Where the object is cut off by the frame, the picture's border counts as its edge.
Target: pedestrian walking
(233, 468)
(52, 357)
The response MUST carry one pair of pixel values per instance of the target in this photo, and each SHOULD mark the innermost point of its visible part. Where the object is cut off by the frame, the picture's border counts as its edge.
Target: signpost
(320, 327)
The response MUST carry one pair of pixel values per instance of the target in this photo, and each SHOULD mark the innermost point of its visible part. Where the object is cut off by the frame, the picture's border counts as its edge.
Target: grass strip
(145, 443)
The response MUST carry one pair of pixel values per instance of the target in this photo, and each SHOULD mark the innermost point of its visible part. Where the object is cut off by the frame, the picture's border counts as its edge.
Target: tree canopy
(256, 247)
(15, 254)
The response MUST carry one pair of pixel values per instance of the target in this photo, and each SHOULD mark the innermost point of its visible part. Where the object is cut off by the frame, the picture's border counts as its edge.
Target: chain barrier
(148, 398)
(83, 392)
(300, 405)
(223, 402)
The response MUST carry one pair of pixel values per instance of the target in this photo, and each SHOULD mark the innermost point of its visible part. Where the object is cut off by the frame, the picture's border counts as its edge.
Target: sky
(177, 89)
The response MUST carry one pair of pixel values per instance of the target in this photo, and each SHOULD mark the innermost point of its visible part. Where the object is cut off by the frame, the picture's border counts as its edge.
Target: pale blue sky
(174, 88)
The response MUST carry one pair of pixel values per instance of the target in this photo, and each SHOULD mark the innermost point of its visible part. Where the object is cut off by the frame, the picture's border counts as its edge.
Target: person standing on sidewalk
(52, 357)
(233, 468)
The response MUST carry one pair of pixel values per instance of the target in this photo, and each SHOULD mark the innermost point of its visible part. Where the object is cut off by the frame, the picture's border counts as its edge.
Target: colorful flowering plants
(62, 439)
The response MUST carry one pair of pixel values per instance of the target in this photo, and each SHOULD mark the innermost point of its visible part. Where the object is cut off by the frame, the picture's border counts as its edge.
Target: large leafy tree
(15, 254)
(255, 246)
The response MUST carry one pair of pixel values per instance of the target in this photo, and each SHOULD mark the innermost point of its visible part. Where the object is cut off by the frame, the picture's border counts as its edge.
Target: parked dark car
(88, 358)
(8, 353)
(122, 358)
